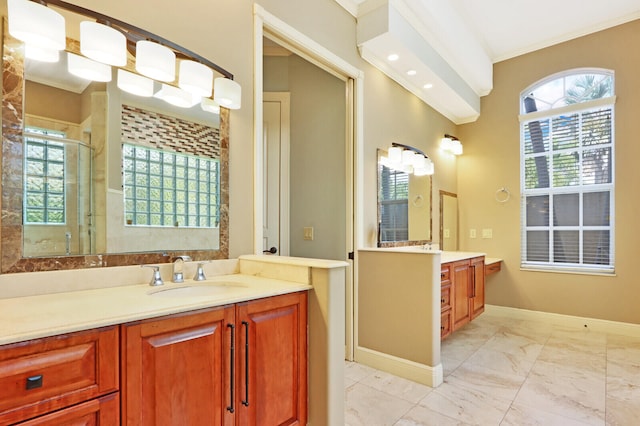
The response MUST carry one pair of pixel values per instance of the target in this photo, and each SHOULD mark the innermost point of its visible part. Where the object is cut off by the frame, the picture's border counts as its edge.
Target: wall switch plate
(308, 233)
(487, 233)
(472, 233)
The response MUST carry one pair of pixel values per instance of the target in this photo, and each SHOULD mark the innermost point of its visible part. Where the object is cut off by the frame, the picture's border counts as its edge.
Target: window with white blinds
(393, 205)
(567, 179)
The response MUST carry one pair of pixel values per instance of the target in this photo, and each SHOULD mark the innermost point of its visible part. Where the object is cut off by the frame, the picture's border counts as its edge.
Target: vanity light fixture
(88, 68)
(176, 96)
(210, 105)
(103, 43)
(451, 144)
(227, 93)
(39, 54)
(408, 159)
(195, 78)
(36, 24)
(155, 61)
(135, 84)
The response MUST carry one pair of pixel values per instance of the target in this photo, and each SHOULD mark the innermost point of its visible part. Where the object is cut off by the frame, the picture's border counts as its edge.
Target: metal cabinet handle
(232, 364)
(245, 401)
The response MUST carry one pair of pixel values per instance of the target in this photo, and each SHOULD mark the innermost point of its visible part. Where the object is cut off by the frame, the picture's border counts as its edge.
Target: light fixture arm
(410, 148)
(133, 34)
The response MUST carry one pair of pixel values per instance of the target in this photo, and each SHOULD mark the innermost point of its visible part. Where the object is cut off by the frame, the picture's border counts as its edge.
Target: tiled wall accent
(161, 131)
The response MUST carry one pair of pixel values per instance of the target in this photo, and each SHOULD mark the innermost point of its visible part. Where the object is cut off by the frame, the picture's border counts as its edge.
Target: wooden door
(477, 294)
(461, 283)
(176, 370)
(272, 361)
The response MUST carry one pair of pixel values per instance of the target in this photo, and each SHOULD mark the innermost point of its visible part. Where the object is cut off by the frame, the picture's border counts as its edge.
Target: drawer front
(492, 268)
(47, 374)
(445, 324)
(445, 298)
(445, 273)
(104, 411)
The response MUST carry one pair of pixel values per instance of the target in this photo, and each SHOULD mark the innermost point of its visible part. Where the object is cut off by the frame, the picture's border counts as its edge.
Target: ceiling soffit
(431, 40)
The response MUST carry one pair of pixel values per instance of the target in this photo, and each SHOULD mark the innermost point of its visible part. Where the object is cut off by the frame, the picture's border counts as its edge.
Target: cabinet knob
(441, 300)
(442, 327)
(34, 382)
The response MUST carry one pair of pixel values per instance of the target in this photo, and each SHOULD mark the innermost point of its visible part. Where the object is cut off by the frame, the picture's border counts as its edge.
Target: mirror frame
(452, 195)
(387, 244)
(11, 221)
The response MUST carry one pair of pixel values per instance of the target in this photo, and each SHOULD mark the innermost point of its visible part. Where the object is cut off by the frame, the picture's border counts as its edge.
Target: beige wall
(51, 102)
(491, 161)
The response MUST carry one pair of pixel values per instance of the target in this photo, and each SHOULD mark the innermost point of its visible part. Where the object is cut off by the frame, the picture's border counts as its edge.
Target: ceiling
(456, 42)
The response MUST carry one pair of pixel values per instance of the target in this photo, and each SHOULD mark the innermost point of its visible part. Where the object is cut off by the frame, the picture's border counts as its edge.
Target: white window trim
(602, 270)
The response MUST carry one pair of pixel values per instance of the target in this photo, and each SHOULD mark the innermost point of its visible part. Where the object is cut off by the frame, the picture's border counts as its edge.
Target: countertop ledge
(31, 317)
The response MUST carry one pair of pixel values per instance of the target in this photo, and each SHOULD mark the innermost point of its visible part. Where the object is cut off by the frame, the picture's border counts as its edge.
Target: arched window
(567, 172)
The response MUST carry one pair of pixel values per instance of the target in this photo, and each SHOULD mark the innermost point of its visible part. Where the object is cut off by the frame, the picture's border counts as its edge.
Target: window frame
(44, 137)
(579, 109)
(180, 192)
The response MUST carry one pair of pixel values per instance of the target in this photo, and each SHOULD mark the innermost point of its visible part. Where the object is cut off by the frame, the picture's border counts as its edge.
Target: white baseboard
(593, 324)
(421, 373)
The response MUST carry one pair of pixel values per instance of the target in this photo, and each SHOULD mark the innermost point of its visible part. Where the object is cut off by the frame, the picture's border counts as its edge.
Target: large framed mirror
(93, 176)
(448, 221)
(404, 206)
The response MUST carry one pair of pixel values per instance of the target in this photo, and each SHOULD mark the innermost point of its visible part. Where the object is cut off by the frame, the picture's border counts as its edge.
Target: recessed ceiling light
(412, 72)
(428, 86)
(393, 57)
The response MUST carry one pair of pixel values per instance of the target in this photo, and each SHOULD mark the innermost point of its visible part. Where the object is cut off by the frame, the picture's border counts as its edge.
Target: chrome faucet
(200, 272)
(156, 278)
(178, 268)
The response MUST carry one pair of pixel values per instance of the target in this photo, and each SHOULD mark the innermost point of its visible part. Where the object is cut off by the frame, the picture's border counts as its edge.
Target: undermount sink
(196, 290)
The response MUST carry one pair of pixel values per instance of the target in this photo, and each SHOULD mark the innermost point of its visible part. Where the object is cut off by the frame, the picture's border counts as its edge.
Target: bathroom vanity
(135, 354)
(409, 298)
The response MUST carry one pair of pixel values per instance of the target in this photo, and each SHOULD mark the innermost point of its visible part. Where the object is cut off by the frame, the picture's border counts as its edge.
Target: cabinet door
(176, 370)
(477, 292)
(272, 343)
(461, 282)
(100, 411)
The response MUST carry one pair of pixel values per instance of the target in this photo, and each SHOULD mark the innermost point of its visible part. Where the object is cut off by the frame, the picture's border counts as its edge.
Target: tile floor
(500, 371)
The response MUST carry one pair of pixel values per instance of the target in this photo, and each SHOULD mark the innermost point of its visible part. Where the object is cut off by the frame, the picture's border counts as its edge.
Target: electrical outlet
(308, 233)
(472, 233)
(487, 233)
(446, 233)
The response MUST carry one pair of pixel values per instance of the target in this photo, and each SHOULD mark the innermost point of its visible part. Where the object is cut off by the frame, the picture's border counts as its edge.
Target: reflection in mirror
(92, 175)
(404, 206)
(448, 221)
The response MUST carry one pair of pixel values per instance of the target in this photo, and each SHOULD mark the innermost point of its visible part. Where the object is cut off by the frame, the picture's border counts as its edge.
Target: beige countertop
(29, 317)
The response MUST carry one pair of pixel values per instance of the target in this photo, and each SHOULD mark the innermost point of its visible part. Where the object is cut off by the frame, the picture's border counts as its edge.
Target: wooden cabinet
(476, 301)
(100, 411)
(74, 370)
(462, 288)
(175, 369)
(445, 302)
(272, 345)
(461, 284)
(242, 364)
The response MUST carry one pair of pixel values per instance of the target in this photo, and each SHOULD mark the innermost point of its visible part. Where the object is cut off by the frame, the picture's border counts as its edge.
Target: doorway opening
(323, 154)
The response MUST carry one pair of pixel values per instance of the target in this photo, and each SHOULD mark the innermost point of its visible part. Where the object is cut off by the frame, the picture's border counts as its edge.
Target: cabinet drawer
(44, 375)
(104, 411)
(445, 273)
(445, 298)
(492, 268)
(445, 324)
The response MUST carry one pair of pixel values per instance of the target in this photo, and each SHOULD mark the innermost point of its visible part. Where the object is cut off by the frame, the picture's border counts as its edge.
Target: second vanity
(92, 354)
(410, 298)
